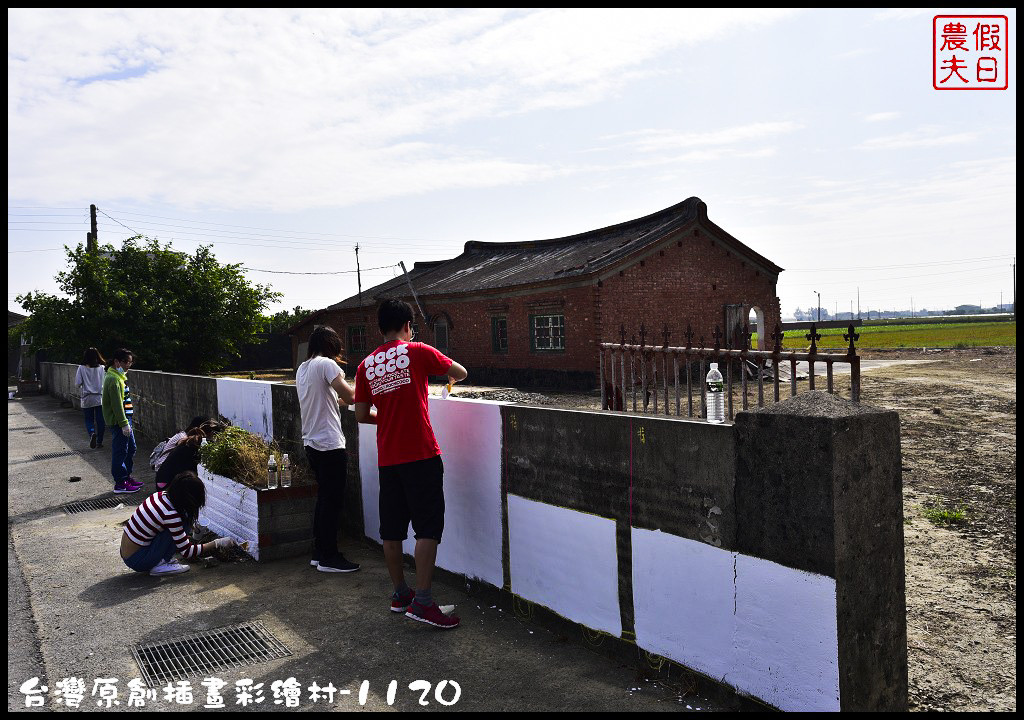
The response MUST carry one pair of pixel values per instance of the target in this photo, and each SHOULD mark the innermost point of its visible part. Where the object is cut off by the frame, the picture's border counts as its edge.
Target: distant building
(531, 314)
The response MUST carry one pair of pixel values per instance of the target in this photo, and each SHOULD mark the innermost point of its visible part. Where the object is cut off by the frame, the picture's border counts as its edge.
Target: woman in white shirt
(89, 380)
(322, 388)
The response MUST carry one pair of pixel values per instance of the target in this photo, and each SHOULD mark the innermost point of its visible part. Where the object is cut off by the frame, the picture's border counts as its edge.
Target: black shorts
(412, 491)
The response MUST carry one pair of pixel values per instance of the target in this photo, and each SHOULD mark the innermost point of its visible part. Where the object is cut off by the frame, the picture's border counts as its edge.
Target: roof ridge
(693, 203)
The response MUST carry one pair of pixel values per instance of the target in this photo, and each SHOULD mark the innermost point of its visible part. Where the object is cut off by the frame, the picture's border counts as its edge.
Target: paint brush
(446, 390)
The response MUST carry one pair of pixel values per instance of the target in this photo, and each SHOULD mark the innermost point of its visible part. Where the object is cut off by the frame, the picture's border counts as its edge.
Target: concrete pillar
(819, 488)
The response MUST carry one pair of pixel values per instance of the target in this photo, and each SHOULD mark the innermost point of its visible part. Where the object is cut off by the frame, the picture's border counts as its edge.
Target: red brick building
(531, 314)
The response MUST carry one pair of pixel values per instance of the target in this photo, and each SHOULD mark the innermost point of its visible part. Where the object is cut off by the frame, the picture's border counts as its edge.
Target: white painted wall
(768, 630)
(469, 433)
(231, 510)
(566, 561)
(247, 404)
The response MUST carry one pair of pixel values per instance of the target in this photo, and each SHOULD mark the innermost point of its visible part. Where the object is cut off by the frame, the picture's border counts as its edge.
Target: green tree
(279, 322)
(178, 312)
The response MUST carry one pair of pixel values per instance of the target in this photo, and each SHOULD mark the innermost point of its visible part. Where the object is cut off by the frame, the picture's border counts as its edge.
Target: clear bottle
(271, 472)
(286, 471)
(715, 395)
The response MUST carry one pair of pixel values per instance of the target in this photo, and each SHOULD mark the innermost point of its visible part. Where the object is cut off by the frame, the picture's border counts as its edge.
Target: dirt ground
(958, 416)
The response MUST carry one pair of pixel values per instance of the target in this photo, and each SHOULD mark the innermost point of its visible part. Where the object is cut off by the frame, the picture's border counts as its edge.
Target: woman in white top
(89, 380)
(322, 388)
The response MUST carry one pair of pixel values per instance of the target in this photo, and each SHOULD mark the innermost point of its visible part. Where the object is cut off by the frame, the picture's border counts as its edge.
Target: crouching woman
(160, 527)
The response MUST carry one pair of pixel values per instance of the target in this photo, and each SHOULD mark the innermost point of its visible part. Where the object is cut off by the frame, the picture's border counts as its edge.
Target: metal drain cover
(103, 503)
(53, 455)
(200, 654)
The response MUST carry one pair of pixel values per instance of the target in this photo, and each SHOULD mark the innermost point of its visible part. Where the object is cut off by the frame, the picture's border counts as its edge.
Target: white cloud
(292, 109)
(922, 137)
(881, 116)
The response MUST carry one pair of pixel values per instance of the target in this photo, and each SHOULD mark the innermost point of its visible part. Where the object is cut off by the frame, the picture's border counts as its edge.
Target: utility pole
(359, 277)
(92, 238)
(1015, 288)
(819, 303)
(858, 303)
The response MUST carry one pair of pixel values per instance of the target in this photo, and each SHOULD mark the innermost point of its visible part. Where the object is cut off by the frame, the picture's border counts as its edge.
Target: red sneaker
(401, 603)
(432, 616)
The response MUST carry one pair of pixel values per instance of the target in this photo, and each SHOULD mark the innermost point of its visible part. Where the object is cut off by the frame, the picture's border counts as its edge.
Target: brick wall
(688, 281)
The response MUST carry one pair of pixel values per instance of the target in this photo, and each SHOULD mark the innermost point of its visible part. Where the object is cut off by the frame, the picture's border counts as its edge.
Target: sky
(284, 138)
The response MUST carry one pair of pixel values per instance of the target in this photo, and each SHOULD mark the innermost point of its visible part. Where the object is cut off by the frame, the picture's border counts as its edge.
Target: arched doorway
(755, 322)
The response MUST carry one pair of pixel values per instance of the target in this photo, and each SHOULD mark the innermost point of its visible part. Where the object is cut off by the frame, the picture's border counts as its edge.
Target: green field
(933, 335)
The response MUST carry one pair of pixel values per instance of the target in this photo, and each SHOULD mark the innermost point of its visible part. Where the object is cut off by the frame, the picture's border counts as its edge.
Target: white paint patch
(683, 600)
(231, 510)
(768, 630)
(786, 646)
(469, 433)
(247, 404)
(566, 561)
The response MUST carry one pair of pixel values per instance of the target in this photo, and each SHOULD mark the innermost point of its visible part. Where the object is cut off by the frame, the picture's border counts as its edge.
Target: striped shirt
(129, 408)
(155, 515)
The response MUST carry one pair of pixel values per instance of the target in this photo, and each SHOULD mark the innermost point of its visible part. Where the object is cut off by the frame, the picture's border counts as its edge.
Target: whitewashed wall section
(231, 510)
(767, 630)
(247, 404)
(469, 433)
(566, 561)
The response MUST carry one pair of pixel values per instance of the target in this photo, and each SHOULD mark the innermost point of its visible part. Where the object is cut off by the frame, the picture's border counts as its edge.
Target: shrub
(238, 454)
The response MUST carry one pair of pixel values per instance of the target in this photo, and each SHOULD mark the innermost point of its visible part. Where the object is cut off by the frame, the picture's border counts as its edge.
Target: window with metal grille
(499, 334)
(356, 339)
(548, 332)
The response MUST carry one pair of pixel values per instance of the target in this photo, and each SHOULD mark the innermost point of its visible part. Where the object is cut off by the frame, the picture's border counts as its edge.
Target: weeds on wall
(242, 456)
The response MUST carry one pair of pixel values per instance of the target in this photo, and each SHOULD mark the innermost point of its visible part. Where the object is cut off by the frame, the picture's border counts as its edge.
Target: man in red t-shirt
(394, 379)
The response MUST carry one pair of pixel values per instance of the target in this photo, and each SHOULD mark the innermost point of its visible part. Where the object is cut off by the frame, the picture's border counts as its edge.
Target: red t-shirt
(394, 379)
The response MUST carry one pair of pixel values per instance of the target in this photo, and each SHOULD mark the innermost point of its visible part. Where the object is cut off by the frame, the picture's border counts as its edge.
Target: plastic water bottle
(286, 471)
(715, 395)
(271, 473)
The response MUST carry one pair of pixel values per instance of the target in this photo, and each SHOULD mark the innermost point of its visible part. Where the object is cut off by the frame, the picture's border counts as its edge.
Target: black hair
(325, 341)
(187, 494)
(122, 355)
(93, 358)
(393, 314)
(196, 422)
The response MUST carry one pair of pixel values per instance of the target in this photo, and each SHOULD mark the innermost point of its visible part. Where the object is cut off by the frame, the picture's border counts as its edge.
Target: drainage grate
(195, 655)
(103, 503)
(51, 456)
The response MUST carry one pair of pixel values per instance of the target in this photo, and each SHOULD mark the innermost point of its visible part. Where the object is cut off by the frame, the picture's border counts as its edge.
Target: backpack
(157, 452)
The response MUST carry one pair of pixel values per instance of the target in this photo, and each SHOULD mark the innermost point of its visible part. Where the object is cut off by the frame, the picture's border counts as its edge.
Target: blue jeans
(161, 549)
(122, 455)
(94, 422)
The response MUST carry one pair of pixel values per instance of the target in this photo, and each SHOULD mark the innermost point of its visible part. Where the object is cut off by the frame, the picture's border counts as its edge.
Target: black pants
(329, 468)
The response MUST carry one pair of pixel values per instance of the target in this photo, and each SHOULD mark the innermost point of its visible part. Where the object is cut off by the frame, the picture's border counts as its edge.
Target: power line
(899, 277)
(120, 223)
(337, 272)
(251, 227)
(904, 265)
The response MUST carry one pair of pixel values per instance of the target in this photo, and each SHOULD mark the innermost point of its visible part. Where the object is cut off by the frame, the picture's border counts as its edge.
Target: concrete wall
(765, 554)
(166, 402)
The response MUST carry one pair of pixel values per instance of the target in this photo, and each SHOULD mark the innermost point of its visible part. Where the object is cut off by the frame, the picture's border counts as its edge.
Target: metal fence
(639, 377)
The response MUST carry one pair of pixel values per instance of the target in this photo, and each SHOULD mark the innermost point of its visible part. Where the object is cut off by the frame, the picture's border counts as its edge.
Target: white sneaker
(169, 568)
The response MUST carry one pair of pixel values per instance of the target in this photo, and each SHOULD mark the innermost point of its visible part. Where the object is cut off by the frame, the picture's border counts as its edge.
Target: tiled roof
(491, 266)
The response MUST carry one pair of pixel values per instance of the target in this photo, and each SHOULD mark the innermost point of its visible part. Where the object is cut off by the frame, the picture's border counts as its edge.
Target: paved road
(76, 610)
